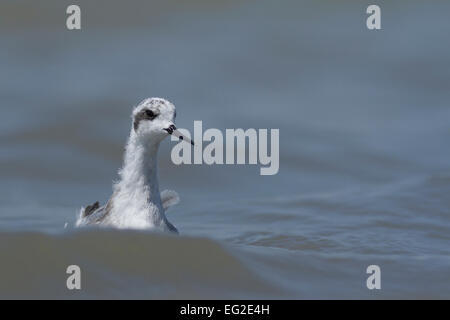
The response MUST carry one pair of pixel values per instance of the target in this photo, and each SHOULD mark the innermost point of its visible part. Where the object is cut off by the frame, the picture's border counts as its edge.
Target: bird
(136, 202)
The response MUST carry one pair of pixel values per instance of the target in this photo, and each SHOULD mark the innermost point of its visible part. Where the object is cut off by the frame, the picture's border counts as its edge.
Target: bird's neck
(139, 174)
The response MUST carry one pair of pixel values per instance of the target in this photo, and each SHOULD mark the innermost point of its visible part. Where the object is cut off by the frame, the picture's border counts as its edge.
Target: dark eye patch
(150, 114)
(146, 114)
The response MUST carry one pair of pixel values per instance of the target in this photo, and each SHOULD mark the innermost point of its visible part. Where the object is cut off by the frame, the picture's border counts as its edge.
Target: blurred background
(364, 121)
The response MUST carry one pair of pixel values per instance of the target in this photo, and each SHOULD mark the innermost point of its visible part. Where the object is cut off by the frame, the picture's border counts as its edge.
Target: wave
(123, 264)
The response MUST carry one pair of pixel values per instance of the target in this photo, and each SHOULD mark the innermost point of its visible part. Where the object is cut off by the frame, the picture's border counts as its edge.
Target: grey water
(364, 120)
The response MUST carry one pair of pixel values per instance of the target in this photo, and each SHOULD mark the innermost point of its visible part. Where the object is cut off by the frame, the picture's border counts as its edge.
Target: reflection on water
(363, 116)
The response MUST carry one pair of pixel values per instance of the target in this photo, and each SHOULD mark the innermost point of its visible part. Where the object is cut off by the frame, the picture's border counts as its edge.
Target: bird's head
(154, 119)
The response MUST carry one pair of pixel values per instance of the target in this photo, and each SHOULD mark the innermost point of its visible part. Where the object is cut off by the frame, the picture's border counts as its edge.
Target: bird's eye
(150, 114)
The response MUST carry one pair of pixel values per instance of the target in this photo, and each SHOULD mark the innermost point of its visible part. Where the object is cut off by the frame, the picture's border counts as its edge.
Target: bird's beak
(173, 131)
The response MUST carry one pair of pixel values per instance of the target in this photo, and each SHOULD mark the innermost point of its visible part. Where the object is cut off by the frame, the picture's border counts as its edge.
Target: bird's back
(96, 214)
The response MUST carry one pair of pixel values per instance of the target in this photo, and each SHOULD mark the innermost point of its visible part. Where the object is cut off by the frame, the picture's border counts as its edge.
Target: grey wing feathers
(94, 217)
(90, 209)
(94, 214)
(169, 198)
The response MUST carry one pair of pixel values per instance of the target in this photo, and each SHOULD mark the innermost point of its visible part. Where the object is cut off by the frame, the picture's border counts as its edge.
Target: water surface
(364, 123)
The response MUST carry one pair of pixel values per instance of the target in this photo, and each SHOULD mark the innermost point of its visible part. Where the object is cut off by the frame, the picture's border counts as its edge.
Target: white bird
(136, 202)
